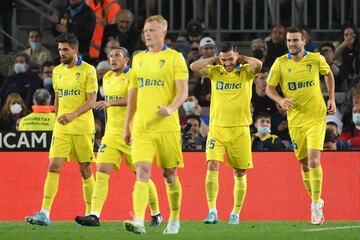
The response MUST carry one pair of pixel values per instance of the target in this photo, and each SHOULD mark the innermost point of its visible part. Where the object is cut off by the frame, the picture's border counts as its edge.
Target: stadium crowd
(26, 92)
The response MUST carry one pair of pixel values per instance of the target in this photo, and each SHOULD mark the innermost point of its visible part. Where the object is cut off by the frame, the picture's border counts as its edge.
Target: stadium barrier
(275, 188)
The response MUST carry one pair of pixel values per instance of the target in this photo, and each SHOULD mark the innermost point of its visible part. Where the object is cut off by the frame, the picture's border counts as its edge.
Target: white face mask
(47, 82)
(189, 107)
(356, 119)
(35, 45)
(19, 67)
(15, 108)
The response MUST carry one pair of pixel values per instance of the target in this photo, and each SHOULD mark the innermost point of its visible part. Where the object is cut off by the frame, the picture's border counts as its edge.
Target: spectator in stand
(191, 107)
(105, 13)
(263, 140)
(275, 44)
(11, 113)
(79, 19)
(279, 126)
(46, 76)
(258, 50)
(330, 141)
(333, 124)
(328, 51)
(23, 81)
(6, 13)
(260, 101)
(101, 69)
(124, 31)
(192, 139)
(310, 45)
(202, 89)
(109, 45)
(188, 44)
(38, 53)
(348, 50)
(352, 96)
(352, 133)
(43, 117)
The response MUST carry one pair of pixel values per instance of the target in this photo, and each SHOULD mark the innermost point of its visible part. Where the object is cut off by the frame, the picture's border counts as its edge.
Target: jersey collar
(126, 69)
(305, 53)
(79, 61)
(162, 49)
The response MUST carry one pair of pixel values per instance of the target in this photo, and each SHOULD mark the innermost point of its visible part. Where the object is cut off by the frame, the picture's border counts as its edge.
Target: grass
(254, 230)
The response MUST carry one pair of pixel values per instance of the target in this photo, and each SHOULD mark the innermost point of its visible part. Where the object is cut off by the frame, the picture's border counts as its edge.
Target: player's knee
(169, 175)
(239, 172)
(54, 167)
(213, 165)
(85, 170)
(143, 171)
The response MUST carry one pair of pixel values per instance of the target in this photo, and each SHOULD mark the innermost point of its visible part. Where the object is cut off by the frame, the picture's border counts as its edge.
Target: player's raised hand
(127, 136)
(66, 118)
(164, 111)
(331, 107)
(100, 105)
(287, 103)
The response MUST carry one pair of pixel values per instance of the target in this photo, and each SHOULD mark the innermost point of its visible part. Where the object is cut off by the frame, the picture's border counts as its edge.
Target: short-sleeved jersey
(115, 88)
(230, 95)
(72, 85)
(157, 74)
(300, 81)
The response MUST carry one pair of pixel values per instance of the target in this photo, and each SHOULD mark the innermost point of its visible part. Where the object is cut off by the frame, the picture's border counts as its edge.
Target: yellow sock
(50, 190)
(174, 194)
(316, 177)
(153, 198)
(239, 193)
(140, 198)
(306, 179)
(212, 188)
(100, 192)
(88, 188)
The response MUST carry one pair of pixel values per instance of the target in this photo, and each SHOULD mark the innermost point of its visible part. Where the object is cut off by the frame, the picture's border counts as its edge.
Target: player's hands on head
(66, 118)
(100, 105)
(331, 107)
(164, 111)
(286, 103)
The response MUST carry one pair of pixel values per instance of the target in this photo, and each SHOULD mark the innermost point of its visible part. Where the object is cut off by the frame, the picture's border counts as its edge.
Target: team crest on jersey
(162, 62)
(237, 73)
(289, 70)
(77, 75)
(309, 66)
(140, 64)
(60, 76)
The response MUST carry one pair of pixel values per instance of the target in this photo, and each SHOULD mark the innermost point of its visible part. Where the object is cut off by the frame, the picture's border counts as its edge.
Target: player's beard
(66, 60)
(296, 52)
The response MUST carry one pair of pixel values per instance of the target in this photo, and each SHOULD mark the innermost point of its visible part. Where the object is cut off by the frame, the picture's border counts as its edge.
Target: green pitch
(253, 230)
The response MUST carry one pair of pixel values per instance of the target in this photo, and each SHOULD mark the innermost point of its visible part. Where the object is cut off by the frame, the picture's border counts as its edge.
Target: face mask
(35, 45)
(15, 108)
(47, 82)
(189, 107)
(264, 130)
(356, 118)
(19, 67)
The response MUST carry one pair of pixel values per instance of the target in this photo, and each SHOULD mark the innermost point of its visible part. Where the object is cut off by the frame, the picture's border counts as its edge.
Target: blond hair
(158, 18)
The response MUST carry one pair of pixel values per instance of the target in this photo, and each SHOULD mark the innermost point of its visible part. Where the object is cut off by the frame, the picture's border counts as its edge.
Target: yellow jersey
(72, 85)
(157, 74)
(300, 81)
(115, 88)
(230, 95)
(42, 119)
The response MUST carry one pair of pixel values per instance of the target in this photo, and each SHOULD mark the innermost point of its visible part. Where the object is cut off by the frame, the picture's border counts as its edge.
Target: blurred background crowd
(195, 29)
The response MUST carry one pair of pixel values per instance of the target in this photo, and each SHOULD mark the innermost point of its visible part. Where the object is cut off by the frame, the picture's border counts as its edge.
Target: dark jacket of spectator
(270, 143)
(23, 83)
(80, 21)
